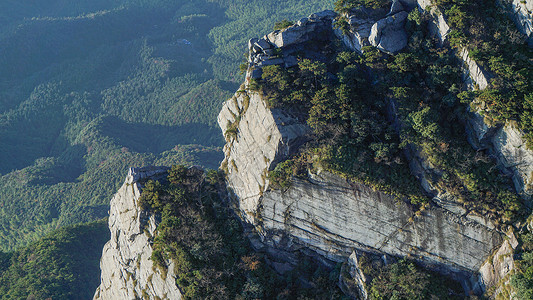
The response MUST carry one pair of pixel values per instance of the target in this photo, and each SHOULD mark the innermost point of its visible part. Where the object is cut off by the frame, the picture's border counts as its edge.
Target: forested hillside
(89, 88)
(62, 265)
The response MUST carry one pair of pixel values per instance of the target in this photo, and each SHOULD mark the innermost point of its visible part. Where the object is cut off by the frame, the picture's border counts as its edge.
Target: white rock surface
(329, 215)
(496, 271)
(332, 217)
(476, 76)
(389, 34)
(264, 136)
(510, 146)
(127, 271)
(301, 31)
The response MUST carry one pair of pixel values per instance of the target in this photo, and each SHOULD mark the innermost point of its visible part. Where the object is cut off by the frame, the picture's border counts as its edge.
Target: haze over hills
(89, 88)
(380, 150)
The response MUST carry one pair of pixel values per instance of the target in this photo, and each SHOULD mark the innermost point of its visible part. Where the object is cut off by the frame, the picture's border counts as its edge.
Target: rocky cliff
(324, 212)
(332, 216)
(127, 269)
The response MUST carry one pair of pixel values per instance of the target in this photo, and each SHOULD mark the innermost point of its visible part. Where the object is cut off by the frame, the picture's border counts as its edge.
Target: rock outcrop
(522, 11)
(388, 34)
(505, 141)
(381, 28)
(127, 269)
(332, 216)
(266, 51)
(328, 214)
(264, 137)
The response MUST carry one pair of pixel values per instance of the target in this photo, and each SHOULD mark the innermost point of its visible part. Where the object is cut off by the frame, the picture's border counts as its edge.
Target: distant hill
(62, 265)
(89, 88)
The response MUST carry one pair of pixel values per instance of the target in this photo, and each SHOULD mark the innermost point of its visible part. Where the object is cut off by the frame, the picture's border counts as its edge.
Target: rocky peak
(127, 268)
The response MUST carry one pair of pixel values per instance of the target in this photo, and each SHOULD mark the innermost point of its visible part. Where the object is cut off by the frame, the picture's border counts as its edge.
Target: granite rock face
(523, 15)
(330, 215)
(127, 270)
(388, 34)
(381, 28)
(264, 137)
(266, 51)
(496, 271)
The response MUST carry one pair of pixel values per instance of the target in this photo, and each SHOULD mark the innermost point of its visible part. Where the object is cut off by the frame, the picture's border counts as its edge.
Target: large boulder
(388, 34)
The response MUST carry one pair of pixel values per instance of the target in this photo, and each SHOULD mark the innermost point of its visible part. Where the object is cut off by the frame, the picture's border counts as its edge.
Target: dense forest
(62, 265)
(90, 88)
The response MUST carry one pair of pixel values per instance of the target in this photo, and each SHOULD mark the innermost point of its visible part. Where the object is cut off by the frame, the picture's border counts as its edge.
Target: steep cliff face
(264, 137)
(333, 216)
(127, 270)
(328, 213)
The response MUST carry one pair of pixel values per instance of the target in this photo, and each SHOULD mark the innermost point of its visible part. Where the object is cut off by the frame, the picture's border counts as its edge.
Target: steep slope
(127, 269)
(331, 215)
(61, 265)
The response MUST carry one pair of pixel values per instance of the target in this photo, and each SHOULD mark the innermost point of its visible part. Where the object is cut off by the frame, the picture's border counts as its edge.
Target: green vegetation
(212, 258)
(90, 88)
(344, 6)
(424, 83)
(352, 134)
(283, 24)
(493, 41)
(403, 280)
(365, 109)
(522, 280)
(64, 264)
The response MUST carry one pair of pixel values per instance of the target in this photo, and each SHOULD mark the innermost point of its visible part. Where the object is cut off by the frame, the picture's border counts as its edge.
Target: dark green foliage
(424, 82)
(494, 42)
(522, 280)
(62, 265)
(356, 136)
(213, 260)
(347, 5)
(90, 88)
(283, 24)
(404, 280)
(352, 135)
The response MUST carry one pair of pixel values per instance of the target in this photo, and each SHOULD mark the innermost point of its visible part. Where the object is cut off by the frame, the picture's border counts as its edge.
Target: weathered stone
(475, 73)
(263, 44)
(510, 146)
(264, 137)
(513, 241)
(523, 15)
(269, 52)
(255, 73)
(358, 276)
(256, 49)
(396, 7)
(424, 3)
(290, 61)
(251, 43)
(326, 14)
(126, 265)
(496, 270)
(302, 32)
(389, 34)
(353, 40)
(270, 62)
(332, 217)
(302, 21)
